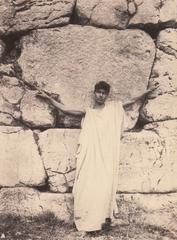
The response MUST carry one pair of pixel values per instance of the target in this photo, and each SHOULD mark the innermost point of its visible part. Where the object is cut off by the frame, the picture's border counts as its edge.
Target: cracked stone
(160, 108)
(148, 158)
(58, 149)
(26, 15)
(36, 112)
(51, 59)
(167, 41)
(155, 12)
(112, 14)
(20, 162)
(7, 120)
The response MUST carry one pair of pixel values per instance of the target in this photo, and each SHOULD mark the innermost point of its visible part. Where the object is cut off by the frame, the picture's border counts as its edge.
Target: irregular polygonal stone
(20, 162)
(164, 71)
(149, 160)
(26, 15)
(155, 12)
(11, 92)
(52, 59)
(35, 112)
(58, 148)
(109, 14)
(160, 108)
(29, 202)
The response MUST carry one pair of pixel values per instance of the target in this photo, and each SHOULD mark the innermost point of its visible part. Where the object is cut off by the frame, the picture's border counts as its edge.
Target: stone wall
(64, 48)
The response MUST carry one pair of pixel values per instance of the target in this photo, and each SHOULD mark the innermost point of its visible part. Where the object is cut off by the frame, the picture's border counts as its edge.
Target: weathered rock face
(155, 12)
(20, 162)
(153, 209)
(70, 60)
(149, 159)
(58, 148)
(161, 108)
(158, 210)
(11, 93)
(36, 113)
(26, 15)
(94, 12)
(165, 73)
(29, 202)
(122, 14)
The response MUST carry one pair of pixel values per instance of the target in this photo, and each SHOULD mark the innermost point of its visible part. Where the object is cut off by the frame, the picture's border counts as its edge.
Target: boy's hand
(152, 88)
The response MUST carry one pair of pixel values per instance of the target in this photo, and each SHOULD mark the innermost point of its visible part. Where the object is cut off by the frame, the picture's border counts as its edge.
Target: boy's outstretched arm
(142, 96)
(60, 106)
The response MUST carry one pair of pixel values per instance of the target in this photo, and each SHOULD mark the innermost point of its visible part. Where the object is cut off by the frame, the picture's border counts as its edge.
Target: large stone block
(155, 12)
(26, 15)
(70, 60)
(58, 148)
(20, 162)
(122, 14)
(36, 113)
(30, 202)
(164, 72)
(157, 210)
(104, 13)
(161, 108)
(149, 159)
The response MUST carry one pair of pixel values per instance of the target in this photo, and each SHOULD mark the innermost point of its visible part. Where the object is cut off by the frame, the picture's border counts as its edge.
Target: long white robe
(97, 167)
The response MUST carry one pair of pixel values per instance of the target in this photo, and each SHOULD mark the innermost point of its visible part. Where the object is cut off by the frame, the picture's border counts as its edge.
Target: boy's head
(101, 92)
(102, 85)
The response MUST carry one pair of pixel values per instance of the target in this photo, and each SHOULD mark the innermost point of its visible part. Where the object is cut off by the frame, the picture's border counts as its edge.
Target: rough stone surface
(11, 93)
(164, 72)
(122, 14)
(155, 209)
(58, 148)
(149, 159)
(109, 14)
(17, 15)
(160, 109)
(70, 60)
(35, 112)
(155, 12)
(29, 202)
(7, 69)
(20, 162)
(152, 209)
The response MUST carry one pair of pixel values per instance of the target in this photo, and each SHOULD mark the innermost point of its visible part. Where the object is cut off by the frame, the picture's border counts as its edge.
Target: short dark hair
(102, 85)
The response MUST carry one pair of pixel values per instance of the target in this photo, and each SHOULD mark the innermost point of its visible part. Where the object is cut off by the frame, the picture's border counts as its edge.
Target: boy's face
(100, 96)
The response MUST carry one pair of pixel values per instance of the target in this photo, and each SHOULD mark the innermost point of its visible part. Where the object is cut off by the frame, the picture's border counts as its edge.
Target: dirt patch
(48, 227)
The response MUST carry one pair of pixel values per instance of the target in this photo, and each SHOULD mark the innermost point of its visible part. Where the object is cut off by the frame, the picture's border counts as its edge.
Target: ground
(48, 227)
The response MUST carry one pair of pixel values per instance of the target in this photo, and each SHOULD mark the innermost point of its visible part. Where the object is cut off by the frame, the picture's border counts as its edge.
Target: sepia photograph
(88, 119)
